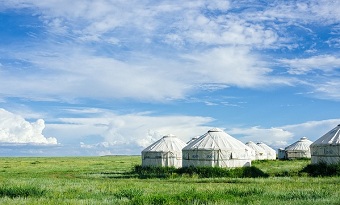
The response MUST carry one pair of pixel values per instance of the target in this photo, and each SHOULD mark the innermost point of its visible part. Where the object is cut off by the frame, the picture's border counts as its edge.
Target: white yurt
(259, 152)
(216, 149)
(166, 152)
(281, 153)
(271, 153)
(299, 149)
(327, 148)
(192, 139)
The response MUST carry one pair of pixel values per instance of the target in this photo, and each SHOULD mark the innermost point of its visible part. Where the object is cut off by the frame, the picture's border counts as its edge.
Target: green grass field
(108, 180)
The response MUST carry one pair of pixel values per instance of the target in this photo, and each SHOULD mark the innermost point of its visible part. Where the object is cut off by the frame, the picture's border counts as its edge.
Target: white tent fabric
(259, 152)
(299, 149)
(192, 139)
(216, 149)
(327, 148)
(165, 152)
(271, 153)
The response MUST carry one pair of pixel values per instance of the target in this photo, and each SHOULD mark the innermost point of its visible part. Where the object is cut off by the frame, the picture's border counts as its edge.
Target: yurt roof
(332, 137)
(266, 147)
(192, 139)
(302, 144)
(165, 144)
(255, 147)
(216, 139)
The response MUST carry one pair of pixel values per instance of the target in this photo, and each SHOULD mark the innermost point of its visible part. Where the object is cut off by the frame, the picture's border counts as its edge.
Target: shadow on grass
(191, 172)
(200, 172)
(21, 191)
(114, 175)
(322, 170)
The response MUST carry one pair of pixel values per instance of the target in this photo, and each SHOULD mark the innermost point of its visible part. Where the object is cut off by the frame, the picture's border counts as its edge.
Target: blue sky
(110, 77)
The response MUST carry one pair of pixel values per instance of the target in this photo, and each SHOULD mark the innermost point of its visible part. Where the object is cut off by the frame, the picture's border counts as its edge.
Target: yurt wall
(327, 148)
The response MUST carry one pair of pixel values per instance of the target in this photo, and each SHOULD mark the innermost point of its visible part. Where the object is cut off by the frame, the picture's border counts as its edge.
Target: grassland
(107, 180)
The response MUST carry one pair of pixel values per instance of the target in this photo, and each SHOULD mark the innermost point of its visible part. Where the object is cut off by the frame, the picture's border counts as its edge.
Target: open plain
(111, 180)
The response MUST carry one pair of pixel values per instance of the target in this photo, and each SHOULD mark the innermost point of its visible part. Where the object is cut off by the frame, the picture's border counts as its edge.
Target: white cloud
(230, 66)
(222, 5)
(329, 89)
(124, 133)
(82, 74)
(320, 74)
(15, 129)
(324, 63)
(179, 21)
(312, 129)
(305, 12)
(229, 30)
(130, 133)
(275, 137)
(175, 21)
(102, 132)
(283, 136)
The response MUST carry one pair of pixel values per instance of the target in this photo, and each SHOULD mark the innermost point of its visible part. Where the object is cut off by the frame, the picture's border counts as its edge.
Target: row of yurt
(297, 150)
(217, 148)
(260, 153)
(327, 148)
(271, 153)
(214, 148)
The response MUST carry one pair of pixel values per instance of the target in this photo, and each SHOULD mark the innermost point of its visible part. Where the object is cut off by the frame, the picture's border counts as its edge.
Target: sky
(109, 77)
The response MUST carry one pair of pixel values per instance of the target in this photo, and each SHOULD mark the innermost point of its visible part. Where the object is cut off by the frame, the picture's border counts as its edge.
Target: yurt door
(170, 159)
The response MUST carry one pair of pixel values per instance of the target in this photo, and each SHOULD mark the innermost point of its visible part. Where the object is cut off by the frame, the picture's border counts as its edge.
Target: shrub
(153, 172)
(322, 169)
(201, 172)
(252, 172)
(204, 172)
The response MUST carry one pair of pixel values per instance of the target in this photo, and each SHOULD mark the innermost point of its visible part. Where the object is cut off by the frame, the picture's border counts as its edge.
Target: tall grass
(21, 191)
(281, 168)
(129, 193)
(108, 180)
(194, 196)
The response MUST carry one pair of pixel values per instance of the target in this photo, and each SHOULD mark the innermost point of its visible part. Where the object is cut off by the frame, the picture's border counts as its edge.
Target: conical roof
(255, 147)
(330, 138)
(216, 139)
(302, 144)
(167, 143)
(192, 139)
(271, 153)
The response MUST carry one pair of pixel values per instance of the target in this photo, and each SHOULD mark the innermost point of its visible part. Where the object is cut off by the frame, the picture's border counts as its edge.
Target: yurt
(271, 153)
(192, 139)
(165, 152)
(281, 153)
(299, 149)
(327, 148)
(216, 149)
(259, 152)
